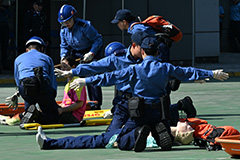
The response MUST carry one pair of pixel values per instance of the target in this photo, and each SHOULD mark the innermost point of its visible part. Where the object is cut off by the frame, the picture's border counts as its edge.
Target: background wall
(197, 19)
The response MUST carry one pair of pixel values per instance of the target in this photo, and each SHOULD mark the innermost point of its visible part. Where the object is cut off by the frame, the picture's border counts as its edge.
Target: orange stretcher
(230, 144)
(4, 110)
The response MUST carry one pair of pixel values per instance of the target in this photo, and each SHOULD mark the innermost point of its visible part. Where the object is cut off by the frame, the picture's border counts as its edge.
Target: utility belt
(137, 107)
(125, 95)
(34, 86)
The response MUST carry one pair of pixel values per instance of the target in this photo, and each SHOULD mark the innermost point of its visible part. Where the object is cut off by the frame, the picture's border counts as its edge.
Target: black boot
(186, 105)
(164, 139)
(30, 115)
(141, 135)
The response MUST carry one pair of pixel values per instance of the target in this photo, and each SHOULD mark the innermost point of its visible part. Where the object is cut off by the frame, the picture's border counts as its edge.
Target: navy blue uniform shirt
(111, 63)
(82, 36)
(149, 78)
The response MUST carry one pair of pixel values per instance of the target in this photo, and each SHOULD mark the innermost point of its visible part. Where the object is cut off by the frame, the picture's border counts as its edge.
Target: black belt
(124, 94)
(45, 79)
(153, 105)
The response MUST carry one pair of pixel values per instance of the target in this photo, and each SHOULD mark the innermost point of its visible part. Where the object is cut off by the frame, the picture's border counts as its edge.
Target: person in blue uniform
(5, 14)
(35, 22)
(144, 78)
(234, 31)
(36, 82)
(81, 40)
(221, 16)
(124, 19)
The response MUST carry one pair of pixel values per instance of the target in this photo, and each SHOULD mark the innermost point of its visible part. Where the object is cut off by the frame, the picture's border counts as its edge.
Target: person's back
(30, 60)
(36, 81)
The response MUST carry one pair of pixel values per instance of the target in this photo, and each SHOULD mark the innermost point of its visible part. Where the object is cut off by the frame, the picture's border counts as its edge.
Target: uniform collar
(130, 57)
(150, 58)
(129, 28)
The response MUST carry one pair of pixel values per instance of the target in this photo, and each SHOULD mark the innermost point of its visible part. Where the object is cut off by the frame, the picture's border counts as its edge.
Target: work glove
(12, 101)
(107, 115)
(220, 75)
(61, 59)
(77, 83)
(202, 81)
(88, 57)
(60, 73)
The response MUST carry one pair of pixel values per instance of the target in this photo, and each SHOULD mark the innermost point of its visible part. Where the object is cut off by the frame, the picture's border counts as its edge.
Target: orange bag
(163, 26)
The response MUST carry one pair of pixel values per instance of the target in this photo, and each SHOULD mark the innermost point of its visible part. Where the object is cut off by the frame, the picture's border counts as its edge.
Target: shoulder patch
(82, 24)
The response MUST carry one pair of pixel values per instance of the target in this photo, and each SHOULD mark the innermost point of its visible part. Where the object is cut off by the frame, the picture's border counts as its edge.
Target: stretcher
(93, 122)
(91, 118)
(4, 110)
(58, 65)
(230, 144)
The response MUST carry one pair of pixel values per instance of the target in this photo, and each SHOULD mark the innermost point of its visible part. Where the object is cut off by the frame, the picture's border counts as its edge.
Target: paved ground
(216, 102)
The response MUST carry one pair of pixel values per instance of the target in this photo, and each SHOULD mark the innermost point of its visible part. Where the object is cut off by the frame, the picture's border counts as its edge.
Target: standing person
(124, 19)
(144, 80)
(73, 105)
(234, 31)
(221, 15)
(36, 82)
(35, 22)
(4, 36)
(81, 40)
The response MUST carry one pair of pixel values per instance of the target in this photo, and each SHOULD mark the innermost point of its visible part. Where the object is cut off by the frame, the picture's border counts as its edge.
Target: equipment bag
(136, 107)
(165, 109)
(162, 26)
(31, 86)
(38, 72)
(205, 134)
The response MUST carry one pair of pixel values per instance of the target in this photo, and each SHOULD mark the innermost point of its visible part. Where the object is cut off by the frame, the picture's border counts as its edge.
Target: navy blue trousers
(46, 102)
(126, 138)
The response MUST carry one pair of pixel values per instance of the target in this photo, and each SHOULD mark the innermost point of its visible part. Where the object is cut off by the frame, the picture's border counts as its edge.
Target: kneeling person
(34, 76)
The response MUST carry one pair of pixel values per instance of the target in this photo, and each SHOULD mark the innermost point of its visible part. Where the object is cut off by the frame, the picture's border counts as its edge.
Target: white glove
(88, 57)
(77, 83)
(12, 101)
(202, 81)
(220, 75)
(60, 73)
(107, 115)
(61, 59)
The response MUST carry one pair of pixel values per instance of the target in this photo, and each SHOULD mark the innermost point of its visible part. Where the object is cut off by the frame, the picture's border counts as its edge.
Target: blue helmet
(112, 47)
(66, 12)
(36, 39)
